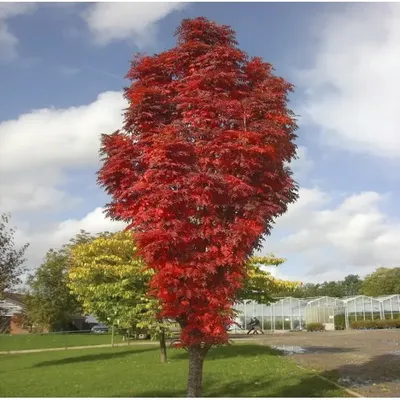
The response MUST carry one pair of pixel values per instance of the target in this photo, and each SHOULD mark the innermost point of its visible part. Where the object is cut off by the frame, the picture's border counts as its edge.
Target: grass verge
(241, 370)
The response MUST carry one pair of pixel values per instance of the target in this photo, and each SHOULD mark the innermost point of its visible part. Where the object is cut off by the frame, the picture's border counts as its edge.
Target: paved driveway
(366, 361)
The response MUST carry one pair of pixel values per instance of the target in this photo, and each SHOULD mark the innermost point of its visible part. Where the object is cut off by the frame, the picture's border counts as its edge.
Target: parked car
(143, 336)
(100, 328)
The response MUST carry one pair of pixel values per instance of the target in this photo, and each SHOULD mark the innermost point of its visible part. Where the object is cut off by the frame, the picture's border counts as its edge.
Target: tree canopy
(109, 279)
(260, 285)
(49, 302)
(383, 281)
(349, 286)
(11, 259)
(199, 172)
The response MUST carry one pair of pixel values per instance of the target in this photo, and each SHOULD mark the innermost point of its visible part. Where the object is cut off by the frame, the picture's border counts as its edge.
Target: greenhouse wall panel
(294, 314)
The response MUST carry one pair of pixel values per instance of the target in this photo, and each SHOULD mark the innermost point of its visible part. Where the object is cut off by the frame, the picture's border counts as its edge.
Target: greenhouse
(294, 314)
(390, 306)
(363, 308)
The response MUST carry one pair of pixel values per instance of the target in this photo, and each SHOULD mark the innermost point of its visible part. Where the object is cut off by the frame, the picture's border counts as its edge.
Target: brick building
(12, 314)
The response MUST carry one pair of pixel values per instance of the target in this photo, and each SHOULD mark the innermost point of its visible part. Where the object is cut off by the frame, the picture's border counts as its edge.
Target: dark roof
(91, 319)
(15, 297)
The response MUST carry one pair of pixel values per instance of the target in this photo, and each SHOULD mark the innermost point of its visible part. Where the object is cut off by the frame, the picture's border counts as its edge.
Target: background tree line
(383, 281)
(100, 274)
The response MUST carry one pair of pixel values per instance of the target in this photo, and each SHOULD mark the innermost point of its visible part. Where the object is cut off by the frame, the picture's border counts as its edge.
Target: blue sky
(61, 73)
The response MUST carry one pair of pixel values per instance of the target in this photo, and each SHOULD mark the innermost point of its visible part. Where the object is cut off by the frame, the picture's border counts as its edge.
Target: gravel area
(366, 361)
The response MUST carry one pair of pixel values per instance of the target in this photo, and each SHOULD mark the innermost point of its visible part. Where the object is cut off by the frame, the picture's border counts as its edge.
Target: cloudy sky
(61, 76)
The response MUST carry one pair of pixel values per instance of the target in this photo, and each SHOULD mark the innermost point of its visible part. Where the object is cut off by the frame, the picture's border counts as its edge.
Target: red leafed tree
(199, 173)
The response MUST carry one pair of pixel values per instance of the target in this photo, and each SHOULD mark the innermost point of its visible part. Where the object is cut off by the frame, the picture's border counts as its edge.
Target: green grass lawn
(52, 340)
(236, 371)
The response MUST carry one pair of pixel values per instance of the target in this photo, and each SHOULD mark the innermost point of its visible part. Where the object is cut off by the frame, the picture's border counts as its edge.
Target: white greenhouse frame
(291, 313)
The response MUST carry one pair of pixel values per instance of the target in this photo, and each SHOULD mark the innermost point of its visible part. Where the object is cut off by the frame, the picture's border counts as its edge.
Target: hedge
(315, 327)
(376, 324)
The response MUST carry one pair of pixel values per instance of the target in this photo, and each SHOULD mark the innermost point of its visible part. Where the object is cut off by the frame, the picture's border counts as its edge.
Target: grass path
(25, 344)
(241, 370)
(96, 346)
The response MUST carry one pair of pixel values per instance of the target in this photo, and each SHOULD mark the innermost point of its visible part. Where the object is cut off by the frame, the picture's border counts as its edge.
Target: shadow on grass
(237, 350)
(252, 350)
(312, 386)
(155, 393)
(92, 357)
(380, 369)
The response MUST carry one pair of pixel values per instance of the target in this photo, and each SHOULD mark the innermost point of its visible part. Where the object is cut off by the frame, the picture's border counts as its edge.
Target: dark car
(100, 328)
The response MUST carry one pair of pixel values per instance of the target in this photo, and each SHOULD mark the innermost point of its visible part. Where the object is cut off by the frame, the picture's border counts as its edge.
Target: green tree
(303, 291)
(384, 281)
(49, 302)
(111, 281)
(260, 285)
(331, 289)
(351, 285)
(11, 259)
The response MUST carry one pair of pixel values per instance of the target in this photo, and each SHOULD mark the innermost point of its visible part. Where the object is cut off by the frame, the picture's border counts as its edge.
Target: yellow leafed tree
(110, 281)
(260, 285)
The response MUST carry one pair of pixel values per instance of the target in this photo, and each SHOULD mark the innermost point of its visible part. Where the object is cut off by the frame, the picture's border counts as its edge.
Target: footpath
(96, 346)
(75, 347)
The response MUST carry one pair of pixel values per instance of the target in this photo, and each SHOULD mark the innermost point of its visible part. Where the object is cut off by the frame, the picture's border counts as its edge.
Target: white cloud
(60, 234)
(93, 222)
(353, 88)
(38, 148)
(29, 196)
(10, 10)
(355, 236)
(302, 165)
(60, 137)
(325, 242)
(309, 200)
(108, 22)
(8, 41)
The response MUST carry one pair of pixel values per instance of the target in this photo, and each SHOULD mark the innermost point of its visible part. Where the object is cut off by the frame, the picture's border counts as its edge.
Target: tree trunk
(195, 378)
(163, 347)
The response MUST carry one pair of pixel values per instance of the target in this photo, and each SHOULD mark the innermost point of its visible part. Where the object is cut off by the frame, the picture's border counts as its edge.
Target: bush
(376, 324)
(315, 327)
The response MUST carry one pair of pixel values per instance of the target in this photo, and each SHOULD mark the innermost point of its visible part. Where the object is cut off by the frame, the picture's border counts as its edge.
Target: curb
(348, 391)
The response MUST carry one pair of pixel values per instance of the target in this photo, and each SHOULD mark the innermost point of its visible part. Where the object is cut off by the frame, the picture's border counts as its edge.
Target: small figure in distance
(251, 323)
(255, 326)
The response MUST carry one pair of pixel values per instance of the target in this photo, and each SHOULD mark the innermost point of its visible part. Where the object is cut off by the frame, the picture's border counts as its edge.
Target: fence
(335, 313)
